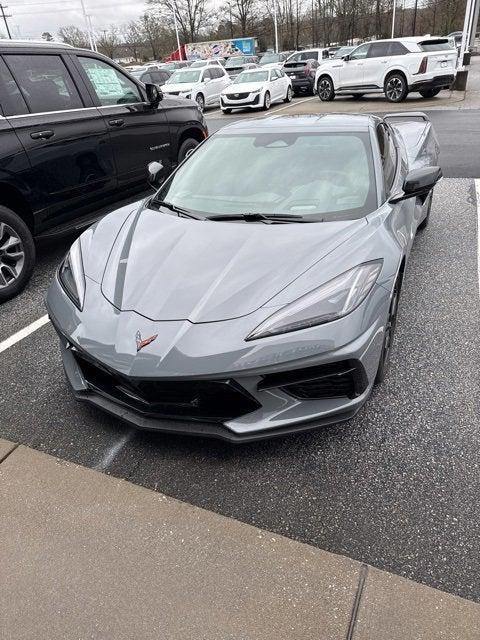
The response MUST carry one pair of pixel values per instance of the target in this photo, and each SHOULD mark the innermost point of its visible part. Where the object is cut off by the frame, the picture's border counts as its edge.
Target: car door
(139, 132)
(352, 70)
(375, 64)
(208, 86)
(65, 138)
(223, 78)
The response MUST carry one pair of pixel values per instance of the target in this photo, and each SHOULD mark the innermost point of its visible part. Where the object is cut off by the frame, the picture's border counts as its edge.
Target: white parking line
(111, 453)
(23, 333)
(477, 191)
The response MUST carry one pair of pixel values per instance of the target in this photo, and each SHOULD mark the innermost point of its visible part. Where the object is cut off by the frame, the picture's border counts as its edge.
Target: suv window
(110, 85)
(388, 154)
(11, 100)
(379, 50)
(360, 52)
(397, 49)
(216, 72)
(45, 82)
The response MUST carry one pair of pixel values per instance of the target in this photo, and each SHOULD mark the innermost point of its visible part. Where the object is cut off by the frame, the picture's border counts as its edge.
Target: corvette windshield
(325, 176)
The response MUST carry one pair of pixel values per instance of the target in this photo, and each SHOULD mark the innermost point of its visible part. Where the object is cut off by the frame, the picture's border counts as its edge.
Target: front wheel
(288, 97)
(325, 89)
(186, 148)
(200, 101)
(429, 93)
(389, 333)
(396, 88)
(17, 254)
(267, 101)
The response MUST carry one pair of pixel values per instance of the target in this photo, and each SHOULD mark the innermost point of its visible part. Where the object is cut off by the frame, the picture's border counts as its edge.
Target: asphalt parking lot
(397, 487)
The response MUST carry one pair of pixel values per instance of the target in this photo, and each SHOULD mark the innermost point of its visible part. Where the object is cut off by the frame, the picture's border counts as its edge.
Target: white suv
(394, 67)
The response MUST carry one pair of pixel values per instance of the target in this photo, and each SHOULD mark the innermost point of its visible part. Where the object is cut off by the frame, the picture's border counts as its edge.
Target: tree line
(300, 23)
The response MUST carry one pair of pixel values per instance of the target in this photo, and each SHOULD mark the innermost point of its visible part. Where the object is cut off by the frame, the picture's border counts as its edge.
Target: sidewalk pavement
(84, 556)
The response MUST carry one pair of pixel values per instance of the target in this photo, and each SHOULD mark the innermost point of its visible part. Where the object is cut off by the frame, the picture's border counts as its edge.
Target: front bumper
(436, 82)
(244, 101)
(283, 384)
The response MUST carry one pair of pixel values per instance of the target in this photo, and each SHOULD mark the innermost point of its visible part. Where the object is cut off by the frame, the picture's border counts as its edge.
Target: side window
(163, 77)
(295, 58)
(388, 154)
(397, 49)
(379, 50)
(360, 52)
(44, 82)
(11, 100)
(217, 72)
(325, 54)
(306, 55)
(110, 85)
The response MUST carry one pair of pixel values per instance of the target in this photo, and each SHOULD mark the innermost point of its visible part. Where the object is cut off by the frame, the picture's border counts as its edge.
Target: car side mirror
(206, 79)
(154, 173)
(154, 95)
(346, 58)
(418, 183)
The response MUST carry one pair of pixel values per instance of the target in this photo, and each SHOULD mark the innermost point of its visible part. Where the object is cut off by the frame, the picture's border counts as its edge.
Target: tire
(227, 111)
(267, 101)
(17, 254)
(288, 97)
(200, 100)
(357, 96)
(425, 221)
(186, 147)
(429, 93)
(384, 364)
(395, 87)
(325, 89)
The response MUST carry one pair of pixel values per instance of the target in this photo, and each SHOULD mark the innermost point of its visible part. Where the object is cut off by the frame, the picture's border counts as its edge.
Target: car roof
(309, 122)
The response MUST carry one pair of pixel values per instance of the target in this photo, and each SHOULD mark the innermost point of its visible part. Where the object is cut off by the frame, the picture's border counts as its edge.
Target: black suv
(76, 133)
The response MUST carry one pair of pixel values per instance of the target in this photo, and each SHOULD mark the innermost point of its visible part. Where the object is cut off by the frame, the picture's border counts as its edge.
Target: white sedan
(256, 88)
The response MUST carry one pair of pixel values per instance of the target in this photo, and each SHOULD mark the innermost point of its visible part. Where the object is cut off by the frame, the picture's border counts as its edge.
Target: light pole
(176, 30)
(90, 38)
(275, 24)
(393, 17)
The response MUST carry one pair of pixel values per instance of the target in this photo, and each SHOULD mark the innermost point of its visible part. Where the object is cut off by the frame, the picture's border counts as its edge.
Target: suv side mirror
(154, 95)
(418, 183)
(206, 79)
(346, 58)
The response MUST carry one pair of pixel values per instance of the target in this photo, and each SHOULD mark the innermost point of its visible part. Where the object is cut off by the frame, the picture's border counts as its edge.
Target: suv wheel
(325, 89)
(17, 254)
(429, 93)
(288, 97)
(395, 88)
(200, 101)
(186, 148)
(267, 101)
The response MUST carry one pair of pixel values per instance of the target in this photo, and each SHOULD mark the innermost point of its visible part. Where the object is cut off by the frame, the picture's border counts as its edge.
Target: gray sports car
(256, 292)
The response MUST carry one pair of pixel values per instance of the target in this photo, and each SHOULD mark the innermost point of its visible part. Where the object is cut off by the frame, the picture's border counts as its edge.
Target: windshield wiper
(178, 210)
(260, 217)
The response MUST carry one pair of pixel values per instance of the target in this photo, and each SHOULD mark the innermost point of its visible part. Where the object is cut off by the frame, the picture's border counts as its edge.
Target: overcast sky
(30, 18)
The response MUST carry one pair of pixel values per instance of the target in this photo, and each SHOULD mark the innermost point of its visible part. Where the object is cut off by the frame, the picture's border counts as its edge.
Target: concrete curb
(85, 555)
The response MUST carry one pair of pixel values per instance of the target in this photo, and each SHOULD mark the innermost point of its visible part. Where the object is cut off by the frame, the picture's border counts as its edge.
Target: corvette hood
(169, 268)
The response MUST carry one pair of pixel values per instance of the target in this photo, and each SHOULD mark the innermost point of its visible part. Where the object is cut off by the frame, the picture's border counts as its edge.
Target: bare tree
(243, 11)
(132, 38)
(108, 42)
(192, 15)
(74, 36)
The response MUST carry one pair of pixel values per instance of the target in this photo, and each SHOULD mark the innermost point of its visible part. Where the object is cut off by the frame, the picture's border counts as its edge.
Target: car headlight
(187, 95)
(333, 300)
(256, 91)
(72, 276)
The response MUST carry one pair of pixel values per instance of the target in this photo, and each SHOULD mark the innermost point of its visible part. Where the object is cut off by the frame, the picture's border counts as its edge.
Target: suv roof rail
(44, 43)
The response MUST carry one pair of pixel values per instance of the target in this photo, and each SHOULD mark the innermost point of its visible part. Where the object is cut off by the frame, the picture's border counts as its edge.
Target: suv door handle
(41, 135)
(116, 123)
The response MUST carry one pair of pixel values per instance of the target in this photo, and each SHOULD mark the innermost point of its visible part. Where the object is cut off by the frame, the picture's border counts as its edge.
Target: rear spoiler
(407, 115)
